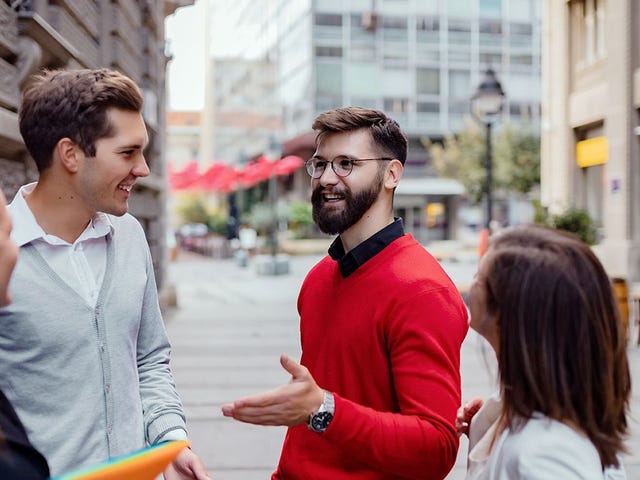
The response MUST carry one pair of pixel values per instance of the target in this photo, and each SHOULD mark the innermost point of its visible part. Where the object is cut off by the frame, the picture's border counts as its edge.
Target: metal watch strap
(320, 420)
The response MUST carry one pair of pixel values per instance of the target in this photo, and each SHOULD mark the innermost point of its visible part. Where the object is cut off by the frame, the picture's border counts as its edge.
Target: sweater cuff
(170, 426)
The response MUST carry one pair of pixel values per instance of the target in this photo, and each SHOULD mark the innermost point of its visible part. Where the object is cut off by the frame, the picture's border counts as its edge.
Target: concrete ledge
(279, 264)
(306, 246)
(167, 297)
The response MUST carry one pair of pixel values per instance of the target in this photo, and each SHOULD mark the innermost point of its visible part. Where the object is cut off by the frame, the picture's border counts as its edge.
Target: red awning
(185, 178)
(256, 171)
(287, 165)
(208, 179)
(220, 177)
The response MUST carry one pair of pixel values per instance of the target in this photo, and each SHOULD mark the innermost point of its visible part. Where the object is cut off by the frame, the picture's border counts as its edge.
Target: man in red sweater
(376, 392)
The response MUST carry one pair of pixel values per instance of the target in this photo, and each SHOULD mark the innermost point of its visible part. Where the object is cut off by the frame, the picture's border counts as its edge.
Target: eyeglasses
(342, 166)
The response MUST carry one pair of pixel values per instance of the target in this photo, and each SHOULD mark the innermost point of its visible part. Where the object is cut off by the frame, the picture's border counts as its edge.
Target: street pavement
(230, 327)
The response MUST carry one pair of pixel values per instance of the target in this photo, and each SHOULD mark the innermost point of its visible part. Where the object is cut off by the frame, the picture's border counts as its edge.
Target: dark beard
(333, 222)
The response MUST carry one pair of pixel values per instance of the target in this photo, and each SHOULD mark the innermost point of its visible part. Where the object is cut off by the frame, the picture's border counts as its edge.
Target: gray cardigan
(89, 383)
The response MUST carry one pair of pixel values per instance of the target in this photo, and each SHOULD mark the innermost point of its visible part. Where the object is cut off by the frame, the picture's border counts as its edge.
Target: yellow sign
(593, 151)
(434, 210)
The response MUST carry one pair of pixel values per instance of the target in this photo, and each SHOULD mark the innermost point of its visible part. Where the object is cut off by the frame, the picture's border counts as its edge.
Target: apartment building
(125, 35)
(418, 60)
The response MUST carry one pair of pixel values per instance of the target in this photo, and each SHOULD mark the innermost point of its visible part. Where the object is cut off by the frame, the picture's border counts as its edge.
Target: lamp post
(274, 263)
(486, 105)
(273, 153)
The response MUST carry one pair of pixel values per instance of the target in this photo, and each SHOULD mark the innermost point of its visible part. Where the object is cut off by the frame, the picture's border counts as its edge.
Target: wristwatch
(320, 420)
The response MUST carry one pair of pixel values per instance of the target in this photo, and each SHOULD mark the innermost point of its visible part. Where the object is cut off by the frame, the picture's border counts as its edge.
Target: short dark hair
(562, 347)
(73, 104)
(385, 132)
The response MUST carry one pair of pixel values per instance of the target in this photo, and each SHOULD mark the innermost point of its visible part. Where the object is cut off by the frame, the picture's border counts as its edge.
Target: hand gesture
(466, 413)
(287, 405)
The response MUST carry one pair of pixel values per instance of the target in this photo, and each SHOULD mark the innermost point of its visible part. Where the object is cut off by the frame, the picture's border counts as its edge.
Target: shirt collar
(26, 228)
(349, 262)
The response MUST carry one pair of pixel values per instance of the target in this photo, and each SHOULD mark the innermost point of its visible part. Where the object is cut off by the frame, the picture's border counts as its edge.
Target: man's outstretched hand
(288, 405)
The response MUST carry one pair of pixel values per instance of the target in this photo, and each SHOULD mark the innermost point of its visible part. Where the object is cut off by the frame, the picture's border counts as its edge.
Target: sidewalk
(228, 331)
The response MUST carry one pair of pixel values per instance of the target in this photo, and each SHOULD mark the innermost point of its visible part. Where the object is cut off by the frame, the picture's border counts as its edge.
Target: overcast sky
(185, 32)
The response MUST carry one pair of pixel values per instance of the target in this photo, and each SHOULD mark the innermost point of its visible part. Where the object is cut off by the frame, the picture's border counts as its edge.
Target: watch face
(320, 421)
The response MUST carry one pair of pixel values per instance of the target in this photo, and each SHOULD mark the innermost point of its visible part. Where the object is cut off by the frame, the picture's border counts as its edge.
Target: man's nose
(141, 169)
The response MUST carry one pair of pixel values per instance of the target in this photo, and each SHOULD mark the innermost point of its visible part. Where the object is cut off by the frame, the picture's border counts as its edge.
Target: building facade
(591, 118)
(418, 60)
(126, 35)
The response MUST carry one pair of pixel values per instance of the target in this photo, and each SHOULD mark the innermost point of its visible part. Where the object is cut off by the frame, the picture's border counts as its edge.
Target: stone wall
(126, 35)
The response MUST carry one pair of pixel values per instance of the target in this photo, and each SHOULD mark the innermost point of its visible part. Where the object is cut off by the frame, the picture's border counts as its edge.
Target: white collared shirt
(80, 264)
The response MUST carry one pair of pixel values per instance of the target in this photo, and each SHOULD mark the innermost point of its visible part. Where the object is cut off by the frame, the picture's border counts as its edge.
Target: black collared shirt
(349, 262)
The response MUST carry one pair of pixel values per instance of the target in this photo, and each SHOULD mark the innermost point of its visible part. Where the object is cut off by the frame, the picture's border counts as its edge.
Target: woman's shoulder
(544, 448)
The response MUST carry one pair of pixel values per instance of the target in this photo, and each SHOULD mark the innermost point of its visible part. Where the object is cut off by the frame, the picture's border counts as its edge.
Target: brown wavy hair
(73, 104)
(385, 131)
(562, 348)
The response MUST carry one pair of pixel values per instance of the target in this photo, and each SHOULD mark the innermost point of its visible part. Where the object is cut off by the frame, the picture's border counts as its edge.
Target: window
(600, 28)
(520, 28)
(459, 84)
(523, 86)
(329, 78)
(490, 26)
(490, 8)
(396, 80)
(328, 19)
(427, 81)
(459, 25)
(588, 30)
(517, 60)
(428, 30)
(394, 28)
(459, 32)
(490, 59)
(520, 10)
(396, 105)
(322, 51)
(394, 22)
(365, 102)
(459, 7)
(362, 52)
(460, 56)
(363, 80)
(428, 24)
(327, 102)
(428, 107)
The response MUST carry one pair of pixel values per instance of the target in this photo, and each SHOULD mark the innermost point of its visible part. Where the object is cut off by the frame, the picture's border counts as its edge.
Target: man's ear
(393, 174)
(69, 154)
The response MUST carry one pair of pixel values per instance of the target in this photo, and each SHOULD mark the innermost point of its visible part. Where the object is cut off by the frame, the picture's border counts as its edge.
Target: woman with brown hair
(544, 303)
(18, 458)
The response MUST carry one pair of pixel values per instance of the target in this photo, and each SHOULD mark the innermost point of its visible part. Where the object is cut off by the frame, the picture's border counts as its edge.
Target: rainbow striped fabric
(144, 464)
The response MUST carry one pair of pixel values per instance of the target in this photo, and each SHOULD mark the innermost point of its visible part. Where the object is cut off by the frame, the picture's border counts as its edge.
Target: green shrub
(574, 220)
(578, 222)
(301, 219)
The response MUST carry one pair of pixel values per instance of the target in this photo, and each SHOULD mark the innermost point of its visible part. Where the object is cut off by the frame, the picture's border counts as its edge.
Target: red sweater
(386, 341)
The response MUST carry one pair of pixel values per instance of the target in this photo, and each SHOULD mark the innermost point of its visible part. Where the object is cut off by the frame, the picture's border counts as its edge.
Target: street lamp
(486, 105)
(274, 263)
(273, 153)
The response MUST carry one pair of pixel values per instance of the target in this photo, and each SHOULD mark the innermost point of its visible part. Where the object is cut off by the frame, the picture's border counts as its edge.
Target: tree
(516, 159)
(192, 209)
(518, 152)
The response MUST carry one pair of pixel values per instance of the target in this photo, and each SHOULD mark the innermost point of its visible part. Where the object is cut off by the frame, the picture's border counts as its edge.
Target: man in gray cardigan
(84, 357)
